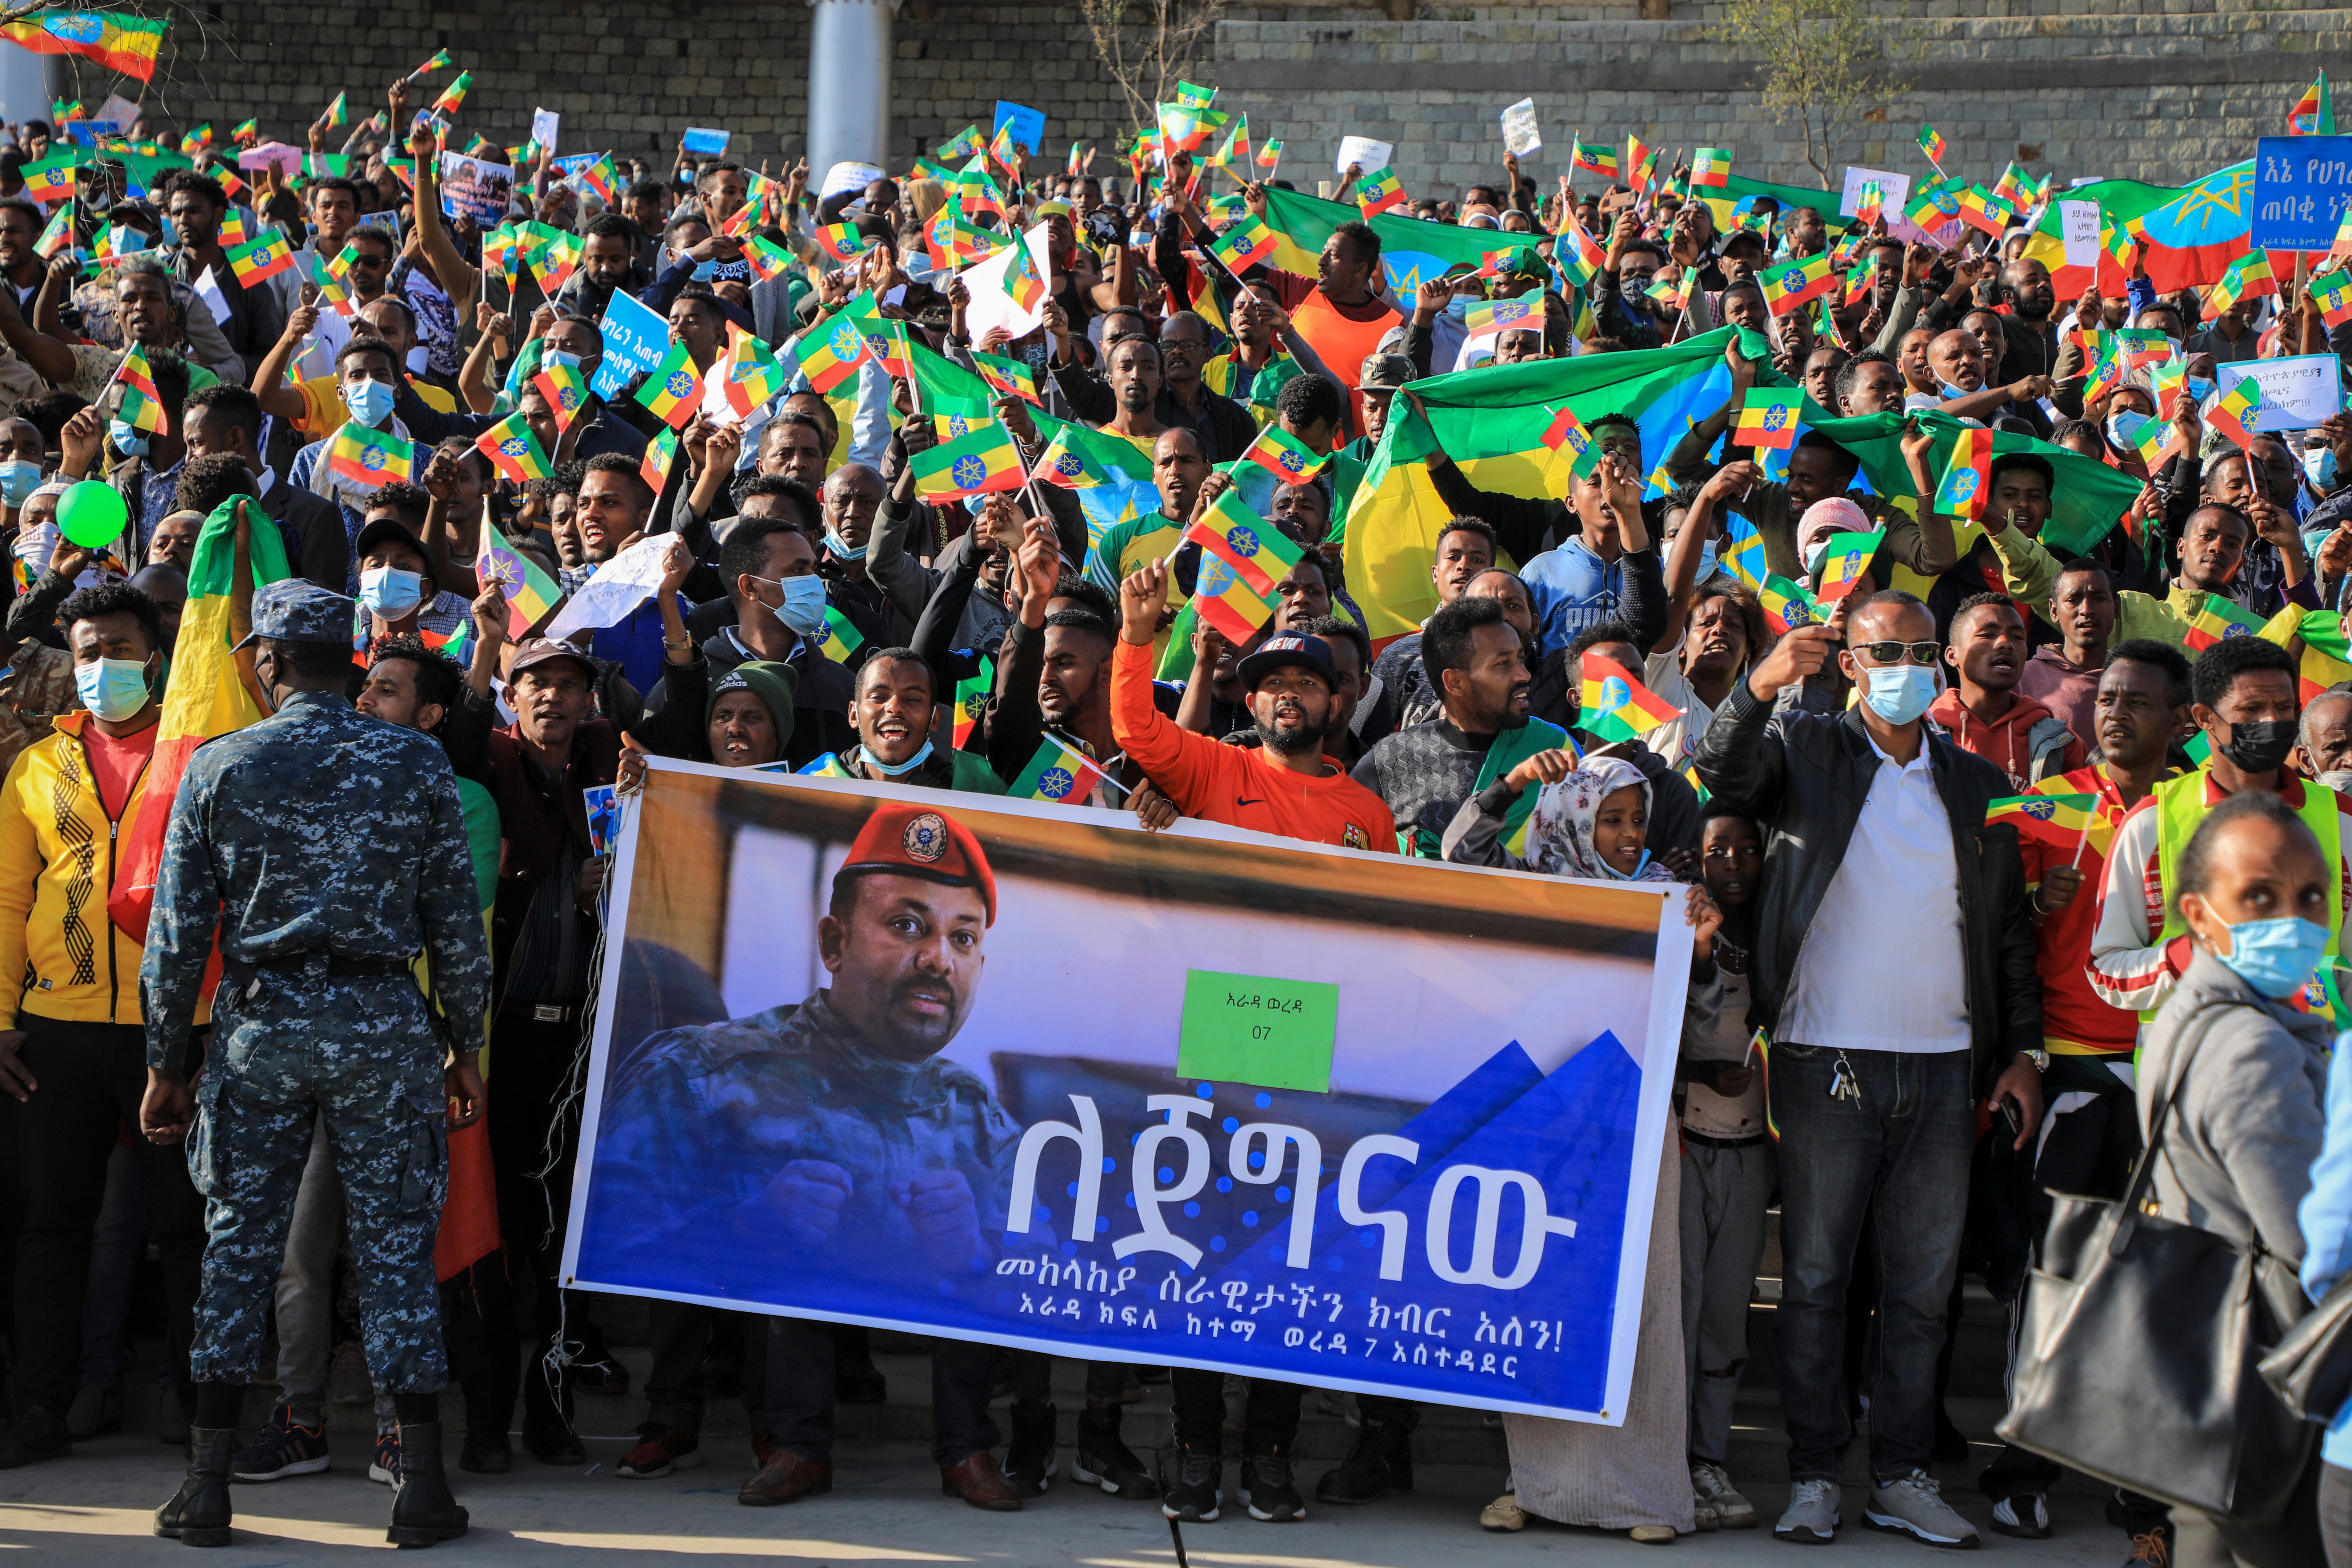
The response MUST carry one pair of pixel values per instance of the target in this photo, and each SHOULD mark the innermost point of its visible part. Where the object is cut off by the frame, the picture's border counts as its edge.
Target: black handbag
(2311, 1369)
(2138, 1356)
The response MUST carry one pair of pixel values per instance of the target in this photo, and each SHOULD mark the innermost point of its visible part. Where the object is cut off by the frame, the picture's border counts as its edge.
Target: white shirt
(1883, 967)
(1676, 740)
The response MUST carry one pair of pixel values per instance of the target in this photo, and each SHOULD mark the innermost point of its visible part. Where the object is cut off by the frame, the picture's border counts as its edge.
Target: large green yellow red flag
(115, 40)
(212, 689)
(2190, 234)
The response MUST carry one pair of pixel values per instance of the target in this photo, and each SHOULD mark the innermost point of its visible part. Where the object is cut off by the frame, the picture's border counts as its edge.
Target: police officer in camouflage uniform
(328, 849)
(835, 1125)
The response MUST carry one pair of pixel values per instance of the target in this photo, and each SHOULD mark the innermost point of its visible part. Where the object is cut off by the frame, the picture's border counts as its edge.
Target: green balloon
(91, 514)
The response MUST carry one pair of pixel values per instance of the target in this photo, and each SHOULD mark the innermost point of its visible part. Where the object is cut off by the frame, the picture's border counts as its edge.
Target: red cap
(910, 840)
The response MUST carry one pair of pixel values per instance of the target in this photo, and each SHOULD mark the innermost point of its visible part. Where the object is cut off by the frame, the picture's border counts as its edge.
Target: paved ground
(95, 1508)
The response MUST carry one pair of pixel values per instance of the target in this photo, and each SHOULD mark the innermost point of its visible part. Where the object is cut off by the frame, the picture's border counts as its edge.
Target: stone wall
(2148, 89)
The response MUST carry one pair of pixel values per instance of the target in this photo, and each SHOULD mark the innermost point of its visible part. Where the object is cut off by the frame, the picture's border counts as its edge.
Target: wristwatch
(2039, 1058)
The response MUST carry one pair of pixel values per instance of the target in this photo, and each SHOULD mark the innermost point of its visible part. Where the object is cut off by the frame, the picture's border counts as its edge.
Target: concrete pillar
(849, 83)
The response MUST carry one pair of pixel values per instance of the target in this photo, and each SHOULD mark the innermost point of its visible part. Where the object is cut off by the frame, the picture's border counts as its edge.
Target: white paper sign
(991, 305)
(209, 289)
(619, 586)
(1520, 133)
(544, 123)
(2079, 222)
(1896, 187)
(2298, 392)
(1362, 150)
(847, 177)
(117, 110)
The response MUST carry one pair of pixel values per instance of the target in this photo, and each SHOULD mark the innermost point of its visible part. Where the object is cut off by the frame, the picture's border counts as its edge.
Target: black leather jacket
(1804, 777)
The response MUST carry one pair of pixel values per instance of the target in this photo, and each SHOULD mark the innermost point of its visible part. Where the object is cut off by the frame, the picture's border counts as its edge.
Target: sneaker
(664, 1451)
(1914, 1505)
(347, 1374)
(286, 1447)
(1029, 1461)
(2152, 1547)
(2025, 1514)
(1103, 1460)
(1715, 1501)
(383, 1465)
(1267, 1489)
(1812, 1518)
(600, 1372)
(1195, 1494)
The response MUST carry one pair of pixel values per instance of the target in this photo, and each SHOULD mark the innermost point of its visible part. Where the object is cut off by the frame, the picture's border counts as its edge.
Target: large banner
(963, 1064)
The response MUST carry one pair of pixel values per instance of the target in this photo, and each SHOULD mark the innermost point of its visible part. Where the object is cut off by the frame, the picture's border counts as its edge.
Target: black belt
(236, 974)
(539, 1012)
(1703, 1141)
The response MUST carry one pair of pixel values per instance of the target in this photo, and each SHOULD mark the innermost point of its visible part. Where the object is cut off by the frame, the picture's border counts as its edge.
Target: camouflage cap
(295, 609)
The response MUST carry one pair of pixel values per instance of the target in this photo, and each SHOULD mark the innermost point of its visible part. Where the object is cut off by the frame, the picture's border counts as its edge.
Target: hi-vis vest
(2180, 806)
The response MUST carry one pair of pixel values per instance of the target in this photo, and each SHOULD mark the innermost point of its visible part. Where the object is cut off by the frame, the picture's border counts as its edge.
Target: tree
(1148, 45)
(1822, 61)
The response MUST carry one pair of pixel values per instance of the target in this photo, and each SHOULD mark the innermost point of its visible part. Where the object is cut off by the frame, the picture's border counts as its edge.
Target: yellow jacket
(59, 854)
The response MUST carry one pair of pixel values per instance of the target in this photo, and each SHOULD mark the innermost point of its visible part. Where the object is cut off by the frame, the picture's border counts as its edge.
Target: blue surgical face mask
(1951, 391)
(19, 478)
(802, 611)
(2319, 466)
(879, 766)
(390, 592)
(2277, 957)
(1628, 876)
(128, 439)
(1899, 693)
(841, 548)
(369, 401)
(112, 688)
(2201, 387)
(2122, 426)
(1705, 562)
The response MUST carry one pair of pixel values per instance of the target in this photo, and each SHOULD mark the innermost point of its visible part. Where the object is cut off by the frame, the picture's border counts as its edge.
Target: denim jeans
(1899, 1152)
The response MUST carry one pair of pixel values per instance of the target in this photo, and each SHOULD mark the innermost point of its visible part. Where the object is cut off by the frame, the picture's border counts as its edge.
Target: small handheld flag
(265, 257)
(1283, 456)
(1380, 191)
(565, 391)
(1614, 705)
(2231, 413)
(972, 695)
(669, 393)
(1566, 434)
(2333, 294)
(1600, 161)
(1769, 419)
(1485, 317)
(1059, 773)
(2248, 277)
(530, 592)
(1244, 245)
(1791, 285)
(2313, 113)
(1710, 167)
(370, 458)
(1933, 145)
(1844, 558)
(513, 450)
(831, 353)
(841, 638)
(2059, 820)
(142, 407)
(971, 464)
(1968, 476)
(1252, 549)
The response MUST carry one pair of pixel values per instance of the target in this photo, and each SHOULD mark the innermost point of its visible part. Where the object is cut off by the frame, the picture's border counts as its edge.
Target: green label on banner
(1256, 1029)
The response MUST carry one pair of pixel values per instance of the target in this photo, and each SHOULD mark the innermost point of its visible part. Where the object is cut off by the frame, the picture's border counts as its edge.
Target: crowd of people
(1974, 836)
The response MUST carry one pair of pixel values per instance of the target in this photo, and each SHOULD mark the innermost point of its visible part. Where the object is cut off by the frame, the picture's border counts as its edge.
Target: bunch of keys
(1841, 1081)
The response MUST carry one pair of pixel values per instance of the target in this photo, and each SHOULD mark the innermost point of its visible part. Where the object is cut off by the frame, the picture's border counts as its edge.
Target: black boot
(1103, 1460)
(422, 1511)
(1380, 1462)
(1030, 1463)
(199, 1512)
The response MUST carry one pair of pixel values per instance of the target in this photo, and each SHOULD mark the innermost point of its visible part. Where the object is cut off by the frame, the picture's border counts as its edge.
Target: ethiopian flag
(369, 457)
(2220, 618)
(1790, 285)
(142, 407)
(670, 391)
(1059, 773)
(211, 689)
(115, 40)
(1252, 549)
(1844, 558)
(830, 355)
(841, 638)
(1614, 705)
(972, 695)
(1967, 484)
(971, 465)
(2229, 413)
(2313, 113)
(2059, 820)
(2326, 653)
(1283, 456)
(513, 450)
(1767, 418)
(2190, 233)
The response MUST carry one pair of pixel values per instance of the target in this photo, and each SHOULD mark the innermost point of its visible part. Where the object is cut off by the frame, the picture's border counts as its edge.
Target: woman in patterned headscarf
(1592, 820)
